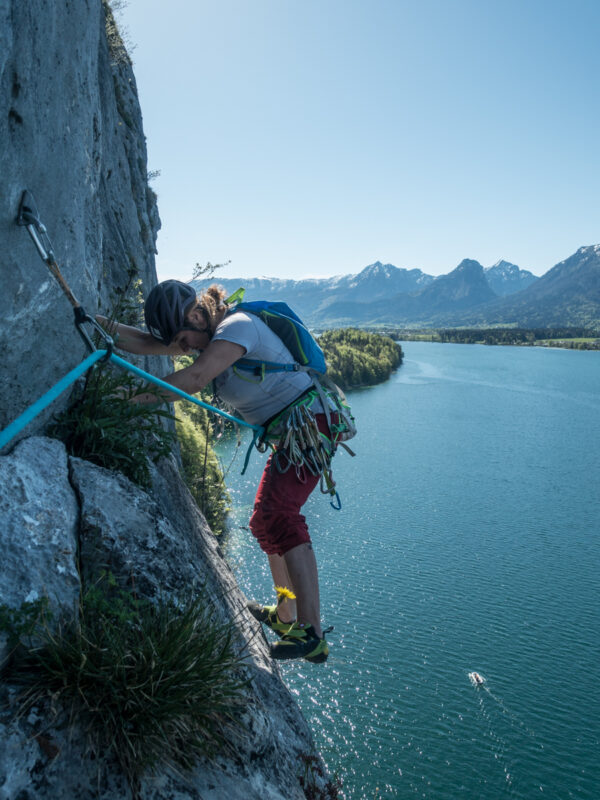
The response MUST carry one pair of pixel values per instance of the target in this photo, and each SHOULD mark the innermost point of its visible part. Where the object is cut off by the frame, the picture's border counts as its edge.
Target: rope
(164, 385)
(17, 425)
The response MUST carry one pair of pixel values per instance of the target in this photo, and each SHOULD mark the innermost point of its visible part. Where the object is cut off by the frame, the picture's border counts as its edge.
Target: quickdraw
(302, 445)
(29, 217)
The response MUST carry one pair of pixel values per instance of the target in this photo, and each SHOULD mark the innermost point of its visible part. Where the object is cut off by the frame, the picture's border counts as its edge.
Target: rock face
(39, 539)
(98, 519)
(71, 133)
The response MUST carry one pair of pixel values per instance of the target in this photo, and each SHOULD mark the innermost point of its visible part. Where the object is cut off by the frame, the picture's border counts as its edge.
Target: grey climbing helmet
(166, 307)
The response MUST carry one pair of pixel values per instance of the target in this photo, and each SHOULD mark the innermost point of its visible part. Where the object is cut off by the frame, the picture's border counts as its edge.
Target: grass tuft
(150, 685)
(104, 427)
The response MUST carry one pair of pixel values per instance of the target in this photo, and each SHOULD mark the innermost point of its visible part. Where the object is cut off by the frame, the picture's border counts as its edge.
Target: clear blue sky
(312, 137)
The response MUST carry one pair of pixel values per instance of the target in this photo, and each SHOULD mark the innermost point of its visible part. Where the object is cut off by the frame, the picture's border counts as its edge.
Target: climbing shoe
(301, 641)
(268, 616)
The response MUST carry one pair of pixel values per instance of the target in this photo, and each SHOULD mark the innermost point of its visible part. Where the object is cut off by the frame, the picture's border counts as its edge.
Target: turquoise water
(468, 540)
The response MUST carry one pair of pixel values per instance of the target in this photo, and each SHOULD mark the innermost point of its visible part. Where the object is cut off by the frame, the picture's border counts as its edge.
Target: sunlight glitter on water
(467, 539)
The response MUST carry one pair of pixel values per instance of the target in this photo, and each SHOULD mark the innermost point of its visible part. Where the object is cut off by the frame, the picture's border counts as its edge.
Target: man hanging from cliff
(180, 322)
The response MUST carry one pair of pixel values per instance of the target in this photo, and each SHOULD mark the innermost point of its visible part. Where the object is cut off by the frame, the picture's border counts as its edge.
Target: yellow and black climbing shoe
(268, 616)
(301, 641)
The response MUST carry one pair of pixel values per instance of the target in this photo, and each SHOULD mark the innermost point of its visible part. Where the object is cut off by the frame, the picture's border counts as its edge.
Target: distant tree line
(512, 335)
(359, 358)
(569, 337)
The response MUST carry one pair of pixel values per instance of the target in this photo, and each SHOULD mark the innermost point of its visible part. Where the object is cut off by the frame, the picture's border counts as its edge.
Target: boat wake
(502, 726)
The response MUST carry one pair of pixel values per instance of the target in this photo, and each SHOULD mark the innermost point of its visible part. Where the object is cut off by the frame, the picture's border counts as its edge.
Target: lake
(468, 540)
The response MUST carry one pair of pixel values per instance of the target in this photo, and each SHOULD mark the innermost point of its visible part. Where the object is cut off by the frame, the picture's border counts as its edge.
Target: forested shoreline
(569, 338)
(358, 358)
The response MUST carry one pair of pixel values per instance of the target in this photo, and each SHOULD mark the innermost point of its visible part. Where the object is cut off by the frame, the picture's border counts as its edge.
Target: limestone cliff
(71, 133)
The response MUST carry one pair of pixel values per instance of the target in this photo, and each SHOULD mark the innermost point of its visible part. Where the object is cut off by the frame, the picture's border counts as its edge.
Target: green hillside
(357, 358)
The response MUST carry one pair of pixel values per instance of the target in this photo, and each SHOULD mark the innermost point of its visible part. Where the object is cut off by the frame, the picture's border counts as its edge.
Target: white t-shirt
(257, 399)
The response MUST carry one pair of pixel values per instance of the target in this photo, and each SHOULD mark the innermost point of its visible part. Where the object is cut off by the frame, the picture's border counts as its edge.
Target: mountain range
(469, 295)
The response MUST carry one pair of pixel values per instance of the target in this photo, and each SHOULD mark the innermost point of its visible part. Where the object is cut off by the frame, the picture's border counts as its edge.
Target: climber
(180, 322)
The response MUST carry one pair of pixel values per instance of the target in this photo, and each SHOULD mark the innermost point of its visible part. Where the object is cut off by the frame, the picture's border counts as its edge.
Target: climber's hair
(211, 301)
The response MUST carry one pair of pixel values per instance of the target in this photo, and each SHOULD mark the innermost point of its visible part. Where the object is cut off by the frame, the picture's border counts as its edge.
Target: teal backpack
(280, 318)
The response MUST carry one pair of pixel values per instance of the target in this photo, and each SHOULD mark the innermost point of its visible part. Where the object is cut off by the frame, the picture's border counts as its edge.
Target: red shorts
(276, 521)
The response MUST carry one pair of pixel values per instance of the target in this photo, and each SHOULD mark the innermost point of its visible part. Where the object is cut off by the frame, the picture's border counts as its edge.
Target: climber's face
(196, 335)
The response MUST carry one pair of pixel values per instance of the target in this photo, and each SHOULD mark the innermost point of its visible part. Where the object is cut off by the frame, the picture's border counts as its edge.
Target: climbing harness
(303, 446)
(297, 441)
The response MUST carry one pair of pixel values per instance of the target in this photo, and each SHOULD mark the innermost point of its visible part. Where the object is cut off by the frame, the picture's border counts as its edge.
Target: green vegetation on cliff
(104, 427)
(358, 358)
(201, 468)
